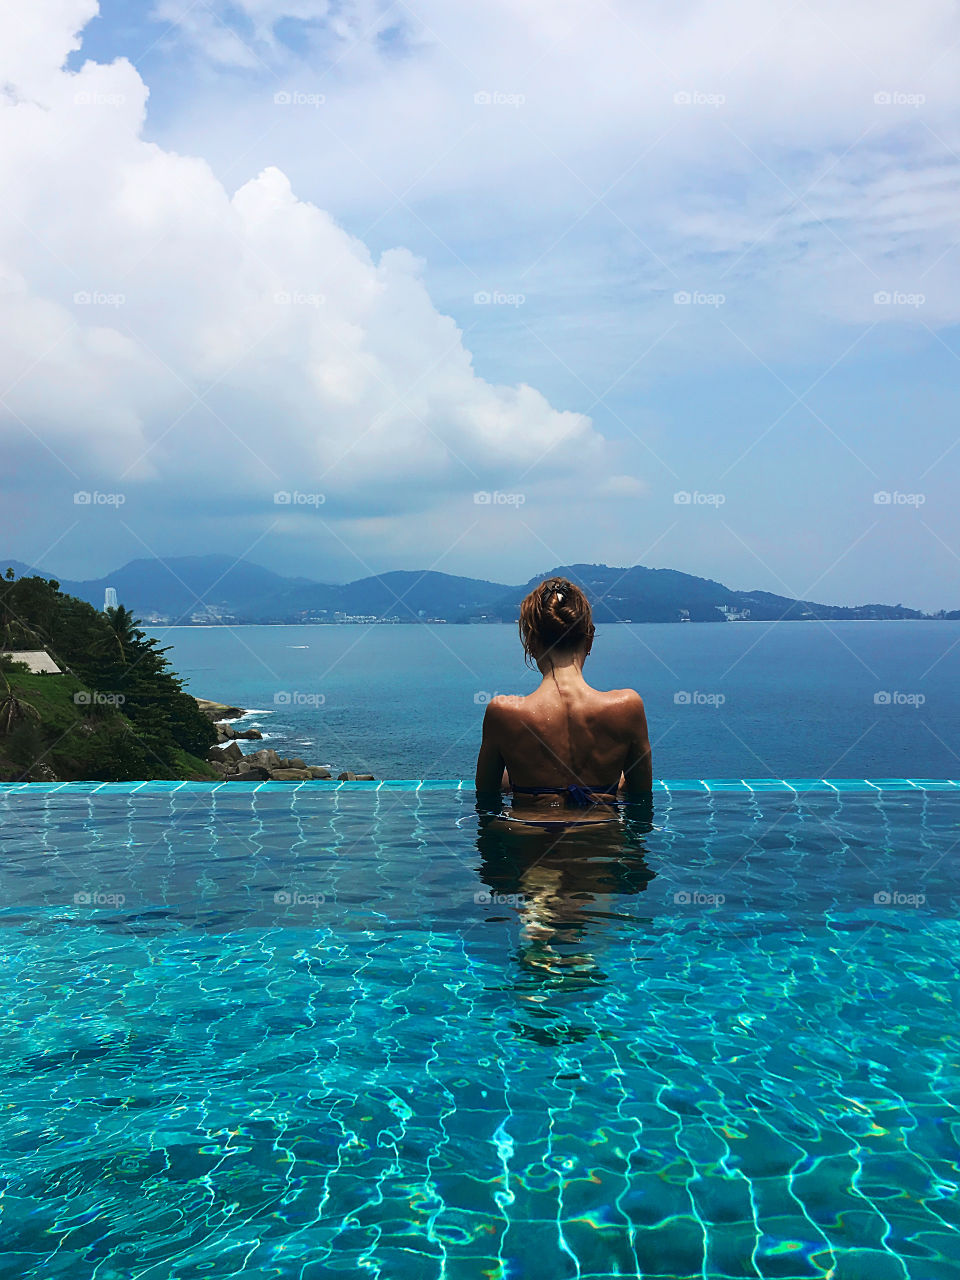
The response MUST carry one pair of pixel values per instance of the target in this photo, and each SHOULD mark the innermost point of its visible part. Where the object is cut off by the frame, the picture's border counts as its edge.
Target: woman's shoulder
(624, 700)
(503, 703)
(620, 695)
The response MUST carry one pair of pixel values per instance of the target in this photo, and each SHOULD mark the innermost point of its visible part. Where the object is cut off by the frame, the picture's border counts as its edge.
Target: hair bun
(556, 617)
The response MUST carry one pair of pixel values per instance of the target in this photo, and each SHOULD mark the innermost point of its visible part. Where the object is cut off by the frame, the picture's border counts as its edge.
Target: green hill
(117, 712)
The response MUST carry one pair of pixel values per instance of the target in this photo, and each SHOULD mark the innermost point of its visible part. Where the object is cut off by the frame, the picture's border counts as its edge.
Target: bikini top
(578, 797)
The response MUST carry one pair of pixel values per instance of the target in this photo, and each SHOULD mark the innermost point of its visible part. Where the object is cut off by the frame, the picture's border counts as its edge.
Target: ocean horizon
(794, 699)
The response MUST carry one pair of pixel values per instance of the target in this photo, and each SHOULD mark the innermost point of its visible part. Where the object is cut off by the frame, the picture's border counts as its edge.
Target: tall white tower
(110, 598)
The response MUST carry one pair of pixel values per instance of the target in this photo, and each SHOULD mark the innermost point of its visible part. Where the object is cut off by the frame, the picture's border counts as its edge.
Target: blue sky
(386, 257)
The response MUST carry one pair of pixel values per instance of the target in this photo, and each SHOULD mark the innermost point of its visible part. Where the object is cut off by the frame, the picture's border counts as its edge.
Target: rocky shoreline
(264, 765)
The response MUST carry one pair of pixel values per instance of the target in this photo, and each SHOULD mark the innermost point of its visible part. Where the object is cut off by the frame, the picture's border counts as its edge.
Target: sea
(737, 699)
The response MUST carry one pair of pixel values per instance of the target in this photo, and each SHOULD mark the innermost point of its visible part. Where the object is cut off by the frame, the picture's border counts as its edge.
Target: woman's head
(555, 621)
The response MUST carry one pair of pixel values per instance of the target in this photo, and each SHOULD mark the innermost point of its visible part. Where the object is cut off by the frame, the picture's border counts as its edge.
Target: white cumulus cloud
(156, 328)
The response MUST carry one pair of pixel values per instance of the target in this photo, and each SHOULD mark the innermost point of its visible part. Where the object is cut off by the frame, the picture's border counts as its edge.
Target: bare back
(564, 733)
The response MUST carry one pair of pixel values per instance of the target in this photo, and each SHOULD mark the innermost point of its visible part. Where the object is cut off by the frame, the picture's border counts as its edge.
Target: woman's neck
(566, 670)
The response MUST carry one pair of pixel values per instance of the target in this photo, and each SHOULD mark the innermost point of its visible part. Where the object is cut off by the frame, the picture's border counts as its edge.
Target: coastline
(264, 765)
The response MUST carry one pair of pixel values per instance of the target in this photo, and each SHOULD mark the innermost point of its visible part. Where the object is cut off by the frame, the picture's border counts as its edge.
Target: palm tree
(125, 633)
(13, 709)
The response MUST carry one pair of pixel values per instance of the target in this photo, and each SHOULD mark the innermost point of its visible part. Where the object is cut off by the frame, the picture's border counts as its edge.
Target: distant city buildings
(110, 598)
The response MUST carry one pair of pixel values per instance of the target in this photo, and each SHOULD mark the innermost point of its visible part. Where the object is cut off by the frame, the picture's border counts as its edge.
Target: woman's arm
(491, 767)
(636, 781)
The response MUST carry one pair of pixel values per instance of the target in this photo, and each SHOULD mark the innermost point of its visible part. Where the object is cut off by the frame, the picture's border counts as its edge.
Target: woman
(565, 746)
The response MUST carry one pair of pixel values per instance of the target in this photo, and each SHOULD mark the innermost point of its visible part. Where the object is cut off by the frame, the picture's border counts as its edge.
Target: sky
(342, 288)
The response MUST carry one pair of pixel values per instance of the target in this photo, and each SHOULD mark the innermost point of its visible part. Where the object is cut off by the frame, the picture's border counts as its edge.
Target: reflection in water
(565, 888)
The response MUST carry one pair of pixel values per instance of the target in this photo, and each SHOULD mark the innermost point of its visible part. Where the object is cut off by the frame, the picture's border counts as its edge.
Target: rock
(230, 754)
(318, 771)
(365, 777)
(225, 732)
(219, 766)
(266, 756)
(253, 773)
(346, 777)
(297, 763)
(248, 733)
(290, 775)
(218, 710)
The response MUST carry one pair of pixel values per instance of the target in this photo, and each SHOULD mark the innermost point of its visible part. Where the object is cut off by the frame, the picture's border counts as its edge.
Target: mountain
(212, 588)
(667, 595)
(184, 585)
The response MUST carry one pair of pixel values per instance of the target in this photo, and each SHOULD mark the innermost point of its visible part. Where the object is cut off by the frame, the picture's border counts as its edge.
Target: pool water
(335, 1032)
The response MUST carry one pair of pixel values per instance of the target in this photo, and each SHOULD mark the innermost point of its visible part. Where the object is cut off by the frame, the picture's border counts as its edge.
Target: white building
(110, 598)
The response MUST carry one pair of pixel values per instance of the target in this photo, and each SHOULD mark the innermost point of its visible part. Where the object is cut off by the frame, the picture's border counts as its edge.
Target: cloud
(155, 328)
(731, 139)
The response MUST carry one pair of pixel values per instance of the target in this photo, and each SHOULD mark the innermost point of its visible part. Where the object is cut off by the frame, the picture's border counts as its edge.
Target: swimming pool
(323, 1031)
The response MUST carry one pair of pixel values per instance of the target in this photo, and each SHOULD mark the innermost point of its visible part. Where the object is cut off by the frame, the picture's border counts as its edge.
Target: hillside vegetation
(117, 713)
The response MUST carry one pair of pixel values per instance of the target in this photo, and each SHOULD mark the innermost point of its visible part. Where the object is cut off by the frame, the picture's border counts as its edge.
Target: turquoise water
(407, 701)
(280, 1031)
